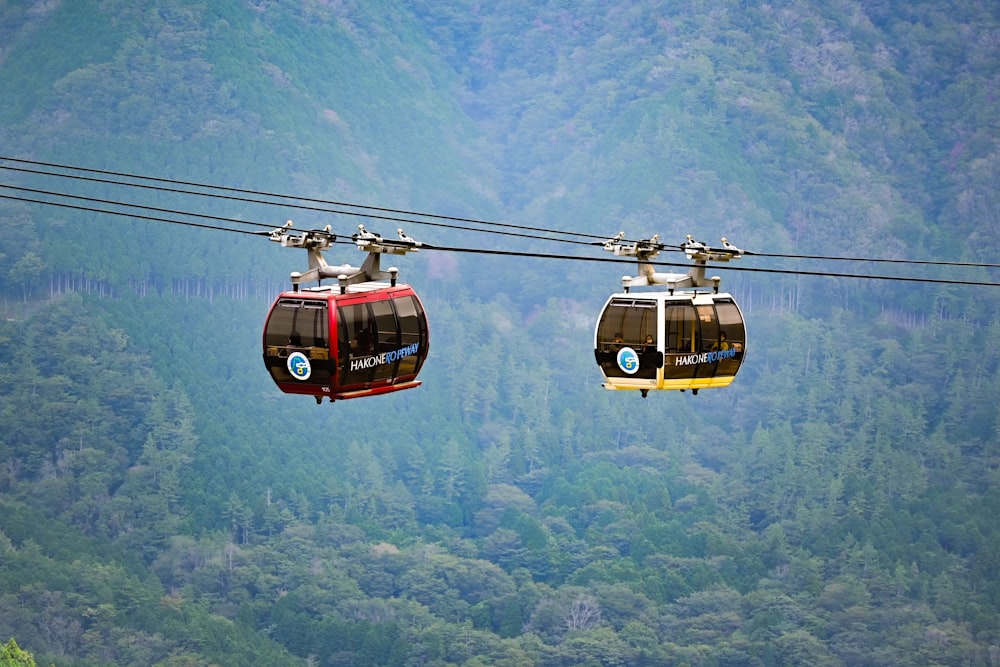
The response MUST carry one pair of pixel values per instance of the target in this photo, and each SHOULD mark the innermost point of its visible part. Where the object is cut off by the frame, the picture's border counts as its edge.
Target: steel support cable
(402, 212)
(96, 200)
(257, 193)
(483, 251)
(394, 218)
(754, 253)
(305, 207)
(727, 268)
(507, 253)
(138, 216)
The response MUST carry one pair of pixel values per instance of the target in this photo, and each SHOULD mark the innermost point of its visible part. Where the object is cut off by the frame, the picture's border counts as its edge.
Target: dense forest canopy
(161, 503)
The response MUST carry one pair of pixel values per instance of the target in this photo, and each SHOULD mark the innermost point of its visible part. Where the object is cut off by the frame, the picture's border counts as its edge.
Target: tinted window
(356, 332)
(300, 325)
(630, 320)
(626, 323)
(731, 323)
(413, 332)
(384, 339)
(387, 335)
(681, 328)
(298, 322)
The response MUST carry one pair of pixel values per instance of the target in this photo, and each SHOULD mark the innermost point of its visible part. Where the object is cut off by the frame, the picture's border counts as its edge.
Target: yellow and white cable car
(686, 336)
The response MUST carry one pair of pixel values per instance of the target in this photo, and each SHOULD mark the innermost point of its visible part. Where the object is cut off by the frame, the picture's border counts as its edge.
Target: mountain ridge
(165, 505)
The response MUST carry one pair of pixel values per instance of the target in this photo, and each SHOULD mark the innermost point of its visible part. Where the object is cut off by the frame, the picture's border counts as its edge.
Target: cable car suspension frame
(316, 242)
(646, 250)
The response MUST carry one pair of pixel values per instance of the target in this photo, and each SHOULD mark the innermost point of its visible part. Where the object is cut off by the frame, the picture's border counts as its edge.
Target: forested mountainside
(161, 503)
(887, 94)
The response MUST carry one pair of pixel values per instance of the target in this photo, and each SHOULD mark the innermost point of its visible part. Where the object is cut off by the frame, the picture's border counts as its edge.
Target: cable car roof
(356, 288)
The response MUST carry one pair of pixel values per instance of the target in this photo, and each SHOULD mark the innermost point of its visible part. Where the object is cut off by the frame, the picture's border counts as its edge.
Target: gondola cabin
(346, 342)
(669, 340)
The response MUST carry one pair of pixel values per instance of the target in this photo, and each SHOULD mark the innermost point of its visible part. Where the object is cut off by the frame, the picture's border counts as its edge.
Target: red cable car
(360, 337)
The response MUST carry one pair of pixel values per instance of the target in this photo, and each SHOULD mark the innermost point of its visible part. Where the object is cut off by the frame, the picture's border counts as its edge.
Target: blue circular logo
(628, 360)
(298, 366)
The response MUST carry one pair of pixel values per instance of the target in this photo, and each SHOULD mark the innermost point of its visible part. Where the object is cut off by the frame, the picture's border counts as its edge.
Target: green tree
(13, 656)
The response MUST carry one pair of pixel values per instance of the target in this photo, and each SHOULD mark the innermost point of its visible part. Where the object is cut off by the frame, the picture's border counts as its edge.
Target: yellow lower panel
(689, 383)
(698, 383)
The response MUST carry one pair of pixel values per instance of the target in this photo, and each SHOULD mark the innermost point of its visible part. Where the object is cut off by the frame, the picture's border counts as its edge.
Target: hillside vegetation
(161, 503)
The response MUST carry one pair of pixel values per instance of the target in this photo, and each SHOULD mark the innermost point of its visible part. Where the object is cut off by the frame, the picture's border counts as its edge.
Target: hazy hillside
(733, 105)
(161, 503)
(860, 130)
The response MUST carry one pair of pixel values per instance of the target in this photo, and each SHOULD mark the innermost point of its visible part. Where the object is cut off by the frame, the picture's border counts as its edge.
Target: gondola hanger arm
(698, 252)
(374, 243)
(316, 242)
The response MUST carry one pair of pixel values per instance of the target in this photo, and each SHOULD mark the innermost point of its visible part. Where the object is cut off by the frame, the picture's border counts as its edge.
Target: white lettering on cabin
(383, 358)
(704, 357)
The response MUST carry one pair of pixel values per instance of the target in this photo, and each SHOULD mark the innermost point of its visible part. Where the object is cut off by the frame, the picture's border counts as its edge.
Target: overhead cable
(138, 216)
(483, 251)
(246, 195)
(250, 196)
